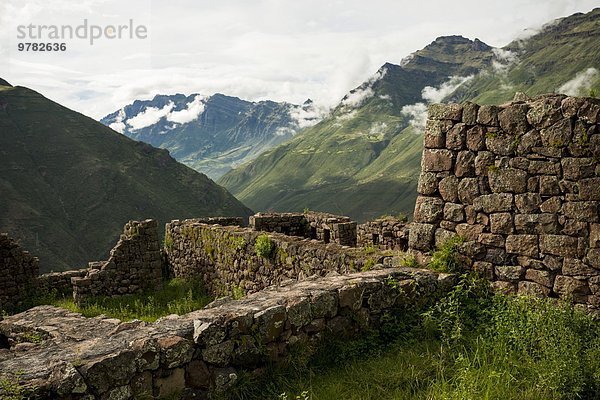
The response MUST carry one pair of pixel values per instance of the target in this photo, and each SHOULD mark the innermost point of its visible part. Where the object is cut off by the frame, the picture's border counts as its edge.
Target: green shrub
(446, 257)
(264, 246)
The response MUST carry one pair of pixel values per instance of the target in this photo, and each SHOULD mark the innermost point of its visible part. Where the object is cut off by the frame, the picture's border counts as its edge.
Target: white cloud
(356, 97)
(264, 49)
(418, 114)
(190, 113)
(437, 94)
(149, 116)
(305, 116)
(119, 125)
(503, 59)
(581, 83)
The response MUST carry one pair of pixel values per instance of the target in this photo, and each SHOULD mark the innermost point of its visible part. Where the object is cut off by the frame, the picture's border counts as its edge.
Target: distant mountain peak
(4, 83)
(456, 40)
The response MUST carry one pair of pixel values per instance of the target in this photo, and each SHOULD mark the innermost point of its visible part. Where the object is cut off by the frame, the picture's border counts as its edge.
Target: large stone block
(558, 135)
(589, 189)
(571, 288)
(528, 203)
(545, 113)
(527, 288)
(469, 115)
(577, 168)
(456, 137)
(437, 160)
(512, 273)
(465, 164)
(586, 211)
(454, 212)
(428, 209)
(510, 180)
(421, 236)
(495, 202)
(448, 188)
(559, 245)
(525, 245)
(435, 133)
(488, 115)
(476, 138)
(428, 183)
(513, 119)
(445, 111)
(468, 190)
(501, 223)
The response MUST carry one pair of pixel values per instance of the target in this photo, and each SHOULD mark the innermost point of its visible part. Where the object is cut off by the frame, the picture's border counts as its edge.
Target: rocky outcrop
(62, 355)
(521, 184)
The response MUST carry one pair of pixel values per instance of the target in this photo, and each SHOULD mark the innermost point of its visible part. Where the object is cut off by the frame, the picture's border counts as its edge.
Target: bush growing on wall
(264, 246)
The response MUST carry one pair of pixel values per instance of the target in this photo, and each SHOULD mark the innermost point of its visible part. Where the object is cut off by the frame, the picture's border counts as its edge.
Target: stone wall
(327, 228)
(59, 282)
(521, 184)
(134, 265)
(204, 351)
(18, 270)
(227, 261)
(386, 233)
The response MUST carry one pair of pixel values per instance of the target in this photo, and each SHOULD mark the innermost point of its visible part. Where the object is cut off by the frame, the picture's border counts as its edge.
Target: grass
(176, 297)
(469, 345)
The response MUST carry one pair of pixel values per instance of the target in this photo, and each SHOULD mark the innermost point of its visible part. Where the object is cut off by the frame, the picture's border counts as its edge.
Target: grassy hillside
(68, 183)
(362, 161)
(542, 63)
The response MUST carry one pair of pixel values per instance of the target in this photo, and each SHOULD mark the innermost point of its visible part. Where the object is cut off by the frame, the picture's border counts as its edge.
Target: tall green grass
(177, 296)
(469, 345)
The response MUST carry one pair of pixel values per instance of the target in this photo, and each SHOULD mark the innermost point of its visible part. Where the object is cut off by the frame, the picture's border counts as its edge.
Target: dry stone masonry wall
(327, 228)
(228, 262)
(134, 265)
(205, 351)
(18, 270)
(521, 184)
(387, 233)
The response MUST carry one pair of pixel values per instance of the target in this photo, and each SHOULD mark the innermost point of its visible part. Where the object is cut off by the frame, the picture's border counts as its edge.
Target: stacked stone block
(59, 283)
(227, 261)
(324, 227)
(134, 265)
(387, 233)
(201, 353)
(521, 184)
(18, 271)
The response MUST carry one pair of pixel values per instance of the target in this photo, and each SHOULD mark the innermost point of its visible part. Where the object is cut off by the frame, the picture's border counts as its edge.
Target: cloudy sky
(284, 50)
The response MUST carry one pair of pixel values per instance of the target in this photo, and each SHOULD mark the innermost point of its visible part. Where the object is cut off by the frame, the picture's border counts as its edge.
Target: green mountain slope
(68, 183)
(543, 63)
(363, 161)
(347, 162)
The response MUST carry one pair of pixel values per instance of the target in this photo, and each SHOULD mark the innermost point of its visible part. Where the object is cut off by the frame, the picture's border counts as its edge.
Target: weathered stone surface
(559, 245)
(589, 189)
(525, 245)
(468, 190)
(456, 137)
(429, 209)
(454, 212)
(541, 277)
(421, 236)
(527, 288)
(558, 135)
(437, 160)
(488, 115)
(513, 119)
(552, 205)
(469, 231)
(595, 235)
(197, 375)
(528, 203)
(448, 188)
(491, 239)
(476, 138)
(536, 223)
(570, 288)
(577, 168)
(501, 223)
(510, 273)
(171, 384)
(435, 134)
(428, 183)
(465, 164)
(586, 211)
(175, 351)
(545, 113)
(469, 115)
(575, 267)
(501, 143)
(528, 142)
(549, 186)
(495, 202)
(510, 180)
(445, 111)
